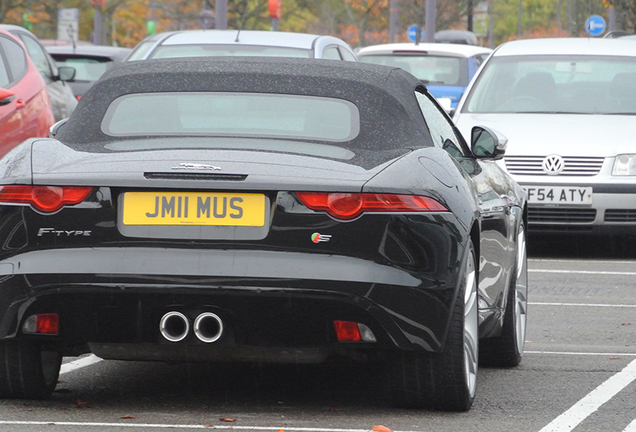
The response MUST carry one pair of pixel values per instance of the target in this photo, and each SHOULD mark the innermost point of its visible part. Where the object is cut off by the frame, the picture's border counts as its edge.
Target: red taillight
(47, 323)
(47, 199)
(351, 205)
(347, 331)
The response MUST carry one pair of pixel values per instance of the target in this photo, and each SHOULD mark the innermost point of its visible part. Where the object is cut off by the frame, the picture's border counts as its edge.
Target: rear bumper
(274, 305)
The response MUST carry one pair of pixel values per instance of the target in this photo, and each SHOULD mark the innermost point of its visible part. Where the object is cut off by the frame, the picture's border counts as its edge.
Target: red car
(25, 109)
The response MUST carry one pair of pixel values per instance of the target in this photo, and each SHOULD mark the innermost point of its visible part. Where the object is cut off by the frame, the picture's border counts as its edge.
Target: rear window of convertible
(232, 114)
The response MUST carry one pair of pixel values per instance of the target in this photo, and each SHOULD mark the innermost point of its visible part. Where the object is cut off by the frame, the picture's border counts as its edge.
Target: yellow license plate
(193, 208)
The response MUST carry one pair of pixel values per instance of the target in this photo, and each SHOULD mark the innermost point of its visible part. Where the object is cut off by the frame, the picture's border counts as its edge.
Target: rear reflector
(47, 323)
(348, 331)
(47, 199)
(351, 205)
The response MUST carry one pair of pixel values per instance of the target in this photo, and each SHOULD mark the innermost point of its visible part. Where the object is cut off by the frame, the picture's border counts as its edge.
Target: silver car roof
(315, 43)
(251, 37)
(567, 46)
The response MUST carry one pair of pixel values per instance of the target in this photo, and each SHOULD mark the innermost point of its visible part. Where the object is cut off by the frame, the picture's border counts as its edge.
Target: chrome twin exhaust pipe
(175, 326)
(208, 327)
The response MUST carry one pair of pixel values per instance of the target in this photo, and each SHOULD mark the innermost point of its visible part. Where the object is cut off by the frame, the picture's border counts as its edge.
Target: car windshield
(212, 50)
(431, 69)
(232, 114)
(556, 84)
(86, 69)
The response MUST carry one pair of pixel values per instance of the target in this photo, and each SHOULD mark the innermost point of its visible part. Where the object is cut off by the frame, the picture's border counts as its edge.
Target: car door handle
(19, 104)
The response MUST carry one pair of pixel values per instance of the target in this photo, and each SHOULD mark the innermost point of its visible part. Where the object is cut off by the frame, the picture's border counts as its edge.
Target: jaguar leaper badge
(196, 167)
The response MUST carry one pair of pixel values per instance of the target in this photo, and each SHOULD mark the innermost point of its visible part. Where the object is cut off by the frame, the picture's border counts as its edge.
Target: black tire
(28, 371)
(445, 381)
(506, 350)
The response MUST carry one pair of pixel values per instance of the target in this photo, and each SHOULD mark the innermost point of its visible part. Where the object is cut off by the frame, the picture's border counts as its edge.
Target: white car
(205, 43)
(568, 109)
(445, 68)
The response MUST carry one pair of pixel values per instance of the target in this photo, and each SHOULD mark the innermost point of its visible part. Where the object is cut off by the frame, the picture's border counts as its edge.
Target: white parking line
(581, 304)
(567, 353)
(578, 261)
(593, 400)
(79, 363)
(604, 273)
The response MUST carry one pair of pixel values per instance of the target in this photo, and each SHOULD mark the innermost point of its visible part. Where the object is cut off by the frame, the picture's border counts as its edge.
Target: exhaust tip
(174, 326)
(208, 327)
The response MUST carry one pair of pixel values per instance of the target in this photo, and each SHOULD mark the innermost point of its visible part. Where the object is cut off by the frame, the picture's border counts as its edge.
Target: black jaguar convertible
(270, 210)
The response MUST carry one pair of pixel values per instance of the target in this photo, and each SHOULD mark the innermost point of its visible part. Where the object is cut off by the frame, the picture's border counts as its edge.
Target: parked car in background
(90, 62)
(456, 37)
(263, 210)
(568, 108)
(61, 95)
(446, 69)
(614, 34)
(207, 43)
(25, 110)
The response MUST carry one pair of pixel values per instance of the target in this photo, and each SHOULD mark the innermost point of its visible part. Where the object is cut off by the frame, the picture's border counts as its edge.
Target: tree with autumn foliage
(368, 18)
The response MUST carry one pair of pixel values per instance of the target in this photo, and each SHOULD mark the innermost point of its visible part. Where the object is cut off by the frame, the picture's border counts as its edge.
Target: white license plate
(559, 194)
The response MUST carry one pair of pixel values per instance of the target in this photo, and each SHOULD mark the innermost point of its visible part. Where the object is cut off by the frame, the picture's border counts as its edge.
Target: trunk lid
(57, 164)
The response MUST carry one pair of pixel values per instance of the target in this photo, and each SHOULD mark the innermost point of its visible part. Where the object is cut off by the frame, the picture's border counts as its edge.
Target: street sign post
(275, 12)
(412, 32)
(595, 25)
(68, 24)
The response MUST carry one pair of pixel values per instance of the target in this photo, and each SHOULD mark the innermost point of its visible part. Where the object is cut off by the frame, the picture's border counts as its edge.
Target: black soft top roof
(389, 115)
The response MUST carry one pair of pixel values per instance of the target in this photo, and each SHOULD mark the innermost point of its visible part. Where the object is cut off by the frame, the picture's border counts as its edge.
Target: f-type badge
(320, 238)
(195, 167)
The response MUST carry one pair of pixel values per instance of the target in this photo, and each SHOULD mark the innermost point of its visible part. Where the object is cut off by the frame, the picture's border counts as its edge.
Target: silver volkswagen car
(568, 109)
(205, 43)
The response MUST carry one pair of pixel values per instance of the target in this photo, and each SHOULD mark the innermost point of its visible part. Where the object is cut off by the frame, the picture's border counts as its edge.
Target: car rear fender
(431, 172)
(15, 166)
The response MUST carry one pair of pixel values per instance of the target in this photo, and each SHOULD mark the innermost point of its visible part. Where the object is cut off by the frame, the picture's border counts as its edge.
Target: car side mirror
(66, 73)
(487, 143)
(6, 97)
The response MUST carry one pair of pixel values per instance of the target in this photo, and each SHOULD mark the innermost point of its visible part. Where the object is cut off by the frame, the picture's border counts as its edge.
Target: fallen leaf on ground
(614, 358)
(128, 416)
(81, 403)
(225, 419)
(626, 323)
(380, 428)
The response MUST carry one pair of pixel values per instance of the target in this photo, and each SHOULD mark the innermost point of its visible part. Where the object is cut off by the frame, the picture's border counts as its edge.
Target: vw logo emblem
(553, 164)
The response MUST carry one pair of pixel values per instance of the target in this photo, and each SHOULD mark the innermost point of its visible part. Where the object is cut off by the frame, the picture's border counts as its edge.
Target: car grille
(620, 215)
(573, 166)
(561, 215)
